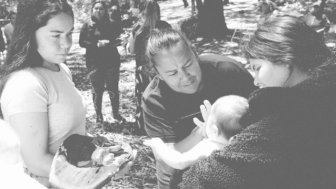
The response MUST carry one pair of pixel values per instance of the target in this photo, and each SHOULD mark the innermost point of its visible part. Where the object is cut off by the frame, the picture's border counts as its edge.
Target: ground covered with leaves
(241, 16)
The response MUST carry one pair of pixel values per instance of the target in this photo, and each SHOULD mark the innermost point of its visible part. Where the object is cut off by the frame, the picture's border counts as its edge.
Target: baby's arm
(176, 159)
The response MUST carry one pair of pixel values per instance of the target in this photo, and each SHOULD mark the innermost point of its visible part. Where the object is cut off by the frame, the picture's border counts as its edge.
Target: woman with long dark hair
(98, 36)
(290, 134)
(149, 21)
(38, 97)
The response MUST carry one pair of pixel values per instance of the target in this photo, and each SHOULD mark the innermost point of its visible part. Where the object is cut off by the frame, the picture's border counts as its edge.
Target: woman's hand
(205, 110)
(99, 140)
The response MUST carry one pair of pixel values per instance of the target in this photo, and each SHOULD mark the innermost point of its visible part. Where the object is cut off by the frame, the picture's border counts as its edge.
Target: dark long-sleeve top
(290, 143)
(100, 57)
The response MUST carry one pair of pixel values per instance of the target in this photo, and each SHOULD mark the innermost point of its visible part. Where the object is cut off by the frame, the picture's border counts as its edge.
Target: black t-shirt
(168, 114)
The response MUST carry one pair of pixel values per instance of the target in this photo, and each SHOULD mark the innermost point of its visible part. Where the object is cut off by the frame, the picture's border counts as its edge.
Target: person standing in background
(98, 36)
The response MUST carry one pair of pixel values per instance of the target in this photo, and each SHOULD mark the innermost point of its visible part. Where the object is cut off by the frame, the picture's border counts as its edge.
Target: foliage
(6, 6)
(8, 2)
(82, 9)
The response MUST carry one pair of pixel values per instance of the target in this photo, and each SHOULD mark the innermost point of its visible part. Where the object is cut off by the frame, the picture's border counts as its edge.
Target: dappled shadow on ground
(241, 18)
(173, 11)
(142, 173)
(230, 45)
(127, 98)
(241, 15)
(76, 62)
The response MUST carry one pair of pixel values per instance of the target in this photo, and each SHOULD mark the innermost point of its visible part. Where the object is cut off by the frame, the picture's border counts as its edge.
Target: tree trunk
(211, 19)
(323, 4)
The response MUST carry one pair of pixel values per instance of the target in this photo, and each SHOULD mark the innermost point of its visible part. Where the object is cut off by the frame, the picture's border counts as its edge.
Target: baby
(223, 122)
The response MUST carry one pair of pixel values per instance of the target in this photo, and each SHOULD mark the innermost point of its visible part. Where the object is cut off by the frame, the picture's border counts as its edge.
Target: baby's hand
(205, 110)
(154, 143)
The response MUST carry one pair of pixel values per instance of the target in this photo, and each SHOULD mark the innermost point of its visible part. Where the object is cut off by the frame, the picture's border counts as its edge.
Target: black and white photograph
(168, 94)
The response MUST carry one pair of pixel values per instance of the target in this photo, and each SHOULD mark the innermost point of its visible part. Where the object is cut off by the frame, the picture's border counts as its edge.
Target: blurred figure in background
(115, 19)
(134, 10)
(266, 9)
(317, 20)
(2, 48)
(185, 3)
(150, 20)
(98, 36)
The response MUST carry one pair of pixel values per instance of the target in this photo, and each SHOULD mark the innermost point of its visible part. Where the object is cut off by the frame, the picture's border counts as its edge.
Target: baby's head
(225, 115)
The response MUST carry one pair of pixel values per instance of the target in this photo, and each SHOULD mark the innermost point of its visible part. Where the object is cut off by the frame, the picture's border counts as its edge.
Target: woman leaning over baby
(290, 137)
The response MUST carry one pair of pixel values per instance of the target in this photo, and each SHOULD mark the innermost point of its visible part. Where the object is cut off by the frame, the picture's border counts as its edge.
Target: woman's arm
(84, 40)
(32, 129)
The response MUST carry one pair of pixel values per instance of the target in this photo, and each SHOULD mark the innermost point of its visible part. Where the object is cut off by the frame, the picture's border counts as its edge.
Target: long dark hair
(288, 40)
(150, 16)
(31, 15)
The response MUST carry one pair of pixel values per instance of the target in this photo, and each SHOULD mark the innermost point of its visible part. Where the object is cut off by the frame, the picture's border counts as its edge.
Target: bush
(82, 10)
